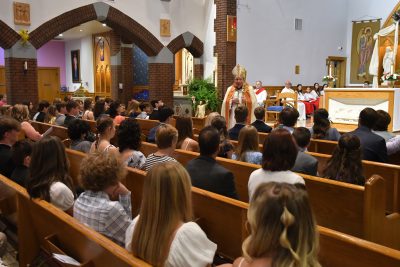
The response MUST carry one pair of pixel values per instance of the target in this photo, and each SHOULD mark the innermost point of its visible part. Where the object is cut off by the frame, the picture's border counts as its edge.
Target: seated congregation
(282, 227)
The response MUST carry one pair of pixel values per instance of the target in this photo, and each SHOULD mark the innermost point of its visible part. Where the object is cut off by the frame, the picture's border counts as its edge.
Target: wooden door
(2, 80)
(338, 66)
(48, 83)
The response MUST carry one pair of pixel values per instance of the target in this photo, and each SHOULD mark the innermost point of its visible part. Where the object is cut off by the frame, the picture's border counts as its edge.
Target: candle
(391, 69)
(26, 65)
(330, 70)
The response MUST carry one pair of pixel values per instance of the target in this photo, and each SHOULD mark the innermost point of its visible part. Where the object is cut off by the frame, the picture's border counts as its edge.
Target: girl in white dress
(163, 233)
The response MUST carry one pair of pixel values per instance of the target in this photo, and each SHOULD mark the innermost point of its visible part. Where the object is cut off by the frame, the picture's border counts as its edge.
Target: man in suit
(157, 105)
(165, 117)
(72, 112)
(373, 146)
(241, 113)
(305, 163)
(204, 170)
(259, 123)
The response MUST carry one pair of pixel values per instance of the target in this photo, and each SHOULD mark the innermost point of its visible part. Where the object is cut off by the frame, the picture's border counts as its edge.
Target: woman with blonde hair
(163, 233)
(133, 109)
(209, 118)
(282, 228)
(248, 149)
(21, 113)
(105, 132)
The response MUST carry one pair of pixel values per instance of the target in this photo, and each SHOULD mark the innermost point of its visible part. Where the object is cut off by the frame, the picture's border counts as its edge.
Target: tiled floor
(10, 258)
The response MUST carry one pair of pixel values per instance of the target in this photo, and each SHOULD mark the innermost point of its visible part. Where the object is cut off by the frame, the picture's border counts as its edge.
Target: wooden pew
(391, 173)
(58, 131)
(41, 226)
(349, 207)
(330, 200)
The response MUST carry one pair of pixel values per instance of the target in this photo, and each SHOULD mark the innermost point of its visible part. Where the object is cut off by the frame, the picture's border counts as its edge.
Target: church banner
(361, 50)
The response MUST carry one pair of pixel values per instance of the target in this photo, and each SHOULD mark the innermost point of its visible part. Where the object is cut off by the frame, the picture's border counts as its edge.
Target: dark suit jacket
(68, 119)
(234, 131)
(373, 146)
(261, 126)
(306, 164)
(154, 115)
(207, 174)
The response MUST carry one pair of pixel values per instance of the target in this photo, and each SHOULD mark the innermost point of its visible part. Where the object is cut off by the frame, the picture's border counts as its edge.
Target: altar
(345, 104)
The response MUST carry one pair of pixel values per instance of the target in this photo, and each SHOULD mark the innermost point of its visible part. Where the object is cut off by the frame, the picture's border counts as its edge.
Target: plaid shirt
(110, 218)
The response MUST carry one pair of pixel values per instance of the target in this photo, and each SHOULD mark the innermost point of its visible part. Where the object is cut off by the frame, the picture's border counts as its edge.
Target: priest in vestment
(238, 93)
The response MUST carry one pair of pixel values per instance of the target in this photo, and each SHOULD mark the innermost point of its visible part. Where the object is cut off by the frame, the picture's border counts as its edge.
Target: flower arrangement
(390, 77)
(328, 78)
(24, 36)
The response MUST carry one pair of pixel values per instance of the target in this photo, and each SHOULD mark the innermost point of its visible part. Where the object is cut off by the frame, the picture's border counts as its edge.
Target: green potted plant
(204, 90)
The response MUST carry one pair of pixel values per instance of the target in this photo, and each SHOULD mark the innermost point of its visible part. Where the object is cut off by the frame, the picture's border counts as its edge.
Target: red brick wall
(8, 36)
(161, 81)
(226, 50)
(126, 74)
(21, 86)
(198, 71)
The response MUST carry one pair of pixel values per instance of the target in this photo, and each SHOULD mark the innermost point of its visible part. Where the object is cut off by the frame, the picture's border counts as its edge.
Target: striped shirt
(153, 159)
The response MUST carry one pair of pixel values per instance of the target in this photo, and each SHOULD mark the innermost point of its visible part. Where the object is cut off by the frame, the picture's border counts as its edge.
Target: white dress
(61, 196)
(301, 108)
(190, 246)
(261, 176)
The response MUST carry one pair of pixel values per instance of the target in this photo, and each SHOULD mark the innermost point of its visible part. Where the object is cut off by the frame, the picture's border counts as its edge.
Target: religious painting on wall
(75, 66)
(231, 28)
(22, 14)
(361, 50)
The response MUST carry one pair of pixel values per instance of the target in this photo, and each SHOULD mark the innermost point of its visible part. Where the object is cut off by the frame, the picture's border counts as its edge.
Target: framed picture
(165, 27)
(22, 14)
(231, 28)
(75, 66)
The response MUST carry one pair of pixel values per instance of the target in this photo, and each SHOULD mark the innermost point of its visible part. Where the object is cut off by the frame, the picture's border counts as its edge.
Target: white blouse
(190, 246)
(61, 196)
(261, 176)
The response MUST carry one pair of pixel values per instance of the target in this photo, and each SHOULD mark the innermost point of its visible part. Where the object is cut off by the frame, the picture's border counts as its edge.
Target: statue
(201, 109)
(388, 60)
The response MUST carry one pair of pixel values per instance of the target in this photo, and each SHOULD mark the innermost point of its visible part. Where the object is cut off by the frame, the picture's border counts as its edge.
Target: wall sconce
(25, 66)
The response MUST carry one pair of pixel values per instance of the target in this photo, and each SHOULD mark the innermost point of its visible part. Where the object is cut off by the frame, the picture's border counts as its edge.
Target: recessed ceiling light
(81, 30)
(104, 25)
(60, 35)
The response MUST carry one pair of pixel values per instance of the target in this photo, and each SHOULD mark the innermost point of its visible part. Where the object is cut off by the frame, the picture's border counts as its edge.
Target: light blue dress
(254, 157)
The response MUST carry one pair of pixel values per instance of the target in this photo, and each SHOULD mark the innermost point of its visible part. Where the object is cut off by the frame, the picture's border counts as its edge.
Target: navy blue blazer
(207, 174)
(372, 145)
(261, 126)
(234, 131)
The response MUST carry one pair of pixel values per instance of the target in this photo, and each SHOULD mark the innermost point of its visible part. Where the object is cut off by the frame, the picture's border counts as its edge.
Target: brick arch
(189, 41)
(8, 36)
(124, 25)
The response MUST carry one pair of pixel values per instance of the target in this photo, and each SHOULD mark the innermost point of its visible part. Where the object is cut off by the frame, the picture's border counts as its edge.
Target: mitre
(239, 71)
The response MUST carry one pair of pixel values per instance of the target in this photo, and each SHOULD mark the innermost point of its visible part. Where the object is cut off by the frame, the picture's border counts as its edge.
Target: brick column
(161, 77)
(226, 51)
(198, 68)
(126, 77)
(22, 85)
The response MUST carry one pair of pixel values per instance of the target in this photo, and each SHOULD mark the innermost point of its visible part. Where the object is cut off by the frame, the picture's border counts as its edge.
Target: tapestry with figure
(361, 50)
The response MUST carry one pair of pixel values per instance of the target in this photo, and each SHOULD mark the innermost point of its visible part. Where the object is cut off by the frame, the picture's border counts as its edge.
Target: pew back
(43, 226)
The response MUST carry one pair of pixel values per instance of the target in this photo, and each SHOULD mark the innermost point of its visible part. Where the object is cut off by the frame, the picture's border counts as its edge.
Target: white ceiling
(83, 30)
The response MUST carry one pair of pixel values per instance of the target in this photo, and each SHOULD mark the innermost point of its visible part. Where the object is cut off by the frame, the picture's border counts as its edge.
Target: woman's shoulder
(191, 245)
